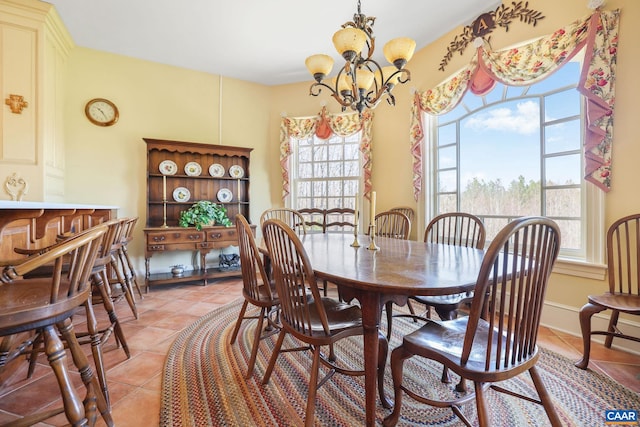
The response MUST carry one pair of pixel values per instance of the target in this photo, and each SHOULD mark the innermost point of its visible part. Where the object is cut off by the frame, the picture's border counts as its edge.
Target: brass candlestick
(355, 243)
(164, 213)
(372, 238)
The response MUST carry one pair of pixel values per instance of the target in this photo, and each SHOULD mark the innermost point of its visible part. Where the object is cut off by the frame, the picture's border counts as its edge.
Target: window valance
(323, 126)
(528, 64)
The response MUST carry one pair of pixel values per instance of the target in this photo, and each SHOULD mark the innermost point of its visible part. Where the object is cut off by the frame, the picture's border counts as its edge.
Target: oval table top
(403, 267)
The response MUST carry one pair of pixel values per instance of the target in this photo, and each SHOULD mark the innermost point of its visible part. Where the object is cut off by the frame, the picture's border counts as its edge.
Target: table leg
(371, 312)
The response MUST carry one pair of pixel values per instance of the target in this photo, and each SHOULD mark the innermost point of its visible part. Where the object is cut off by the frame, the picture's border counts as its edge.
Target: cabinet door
(18, 67)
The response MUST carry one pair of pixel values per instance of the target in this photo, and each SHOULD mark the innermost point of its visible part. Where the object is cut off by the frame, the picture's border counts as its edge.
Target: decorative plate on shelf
(225, 195)
(216, 170)
(181, 194)
(168, 167)
(193, 169)
(236, 171)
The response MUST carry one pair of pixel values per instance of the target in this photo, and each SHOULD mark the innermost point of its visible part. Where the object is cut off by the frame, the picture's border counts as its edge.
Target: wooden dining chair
(312, 319)
(393, 224)
(459, 229)
(127, 267)
(313, 219)
(44, 306)
(96, 335)
(497, 341)
(623, 267)
(257, 289)
(408, 211)
(339, 220)
(291, 217)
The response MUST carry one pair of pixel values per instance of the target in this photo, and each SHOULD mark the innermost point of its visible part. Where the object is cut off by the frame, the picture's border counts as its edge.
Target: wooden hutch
(178, 175)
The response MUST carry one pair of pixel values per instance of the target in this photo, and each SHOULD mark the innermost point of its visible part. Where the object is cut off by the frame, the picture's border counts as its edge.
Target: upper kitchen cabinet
(34, 47)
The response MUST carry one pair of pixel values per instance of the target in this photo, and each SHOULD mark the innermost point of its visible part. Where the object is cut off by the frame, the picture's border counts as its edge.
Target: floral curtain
(529, 64)
(324, 125)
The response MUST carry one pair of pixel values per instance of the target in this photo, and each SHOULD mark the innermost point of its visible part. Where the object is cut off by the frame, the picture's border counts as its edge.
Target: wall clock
(101, 112)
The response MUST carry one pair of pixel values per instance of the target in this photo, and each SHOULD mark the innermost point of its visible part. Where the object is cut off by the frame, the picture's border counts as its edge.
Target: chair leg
(274, 356)
(613, 323)
(33, 357)
(74, 410)
(309, 416)
(398, 356)
(126, 288)
(586, 312)
(132, 271)
(481, 404)
(96, 350)
(89, 380)
(101, 281)
(239, 321)
(546, 400)
(256, 342)
(383, 350)
(388, 307)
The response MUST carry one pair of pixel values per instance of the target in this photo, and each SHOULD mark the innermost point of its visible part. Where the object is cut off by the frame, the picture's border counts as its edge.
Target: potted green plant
(203, 213)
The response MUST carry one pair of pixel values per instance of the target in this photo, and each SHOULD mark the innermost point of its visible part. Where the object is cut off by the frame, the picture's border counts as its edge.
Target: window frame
(292, 199)
(590, 261)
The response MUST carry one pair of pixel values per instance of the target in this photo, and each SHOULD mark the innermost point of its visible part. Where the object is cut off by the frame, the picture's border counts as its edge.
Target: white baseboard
(565, 318)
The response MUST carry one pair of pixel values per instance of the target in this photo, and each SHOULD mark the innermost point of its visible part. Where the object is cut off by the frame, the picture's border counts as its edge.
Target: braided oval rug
(203, 385)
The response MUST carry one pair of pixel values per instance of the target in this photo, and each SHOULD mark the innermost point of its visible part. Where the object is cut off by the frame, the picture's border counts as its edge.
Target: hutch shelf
(179, 174)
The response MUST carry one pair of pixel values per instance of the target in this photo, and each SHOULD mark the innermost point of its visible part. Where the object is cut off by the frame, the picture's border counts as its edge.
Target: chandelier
(361, 83)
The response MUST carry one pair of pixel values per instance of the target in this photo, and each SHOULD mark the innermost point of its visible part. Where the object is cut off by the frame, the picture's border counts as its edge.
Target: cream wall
(108, 165)
(392, 161)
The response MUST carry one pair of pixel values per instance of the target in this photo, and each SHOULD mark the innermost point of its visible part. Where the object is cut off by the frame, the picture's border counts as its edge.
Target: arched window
(517, 151)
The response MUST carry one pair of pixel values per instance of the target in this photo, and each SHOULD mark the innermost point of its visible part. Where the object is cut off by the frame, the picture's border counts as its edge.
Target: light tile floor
(135, 384)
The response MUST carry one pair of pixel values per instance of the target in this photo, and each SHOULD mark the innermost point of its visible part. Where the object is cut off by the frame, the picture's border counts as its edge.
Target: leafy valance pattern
(324, 125)
(529, 64)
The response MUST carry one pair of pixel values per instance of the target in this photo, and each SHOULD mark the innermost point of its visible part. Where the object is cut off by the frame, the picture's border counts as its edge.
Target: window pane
(570, 232)
(335, 188)
(447, 203)
(493, 226)
(304, 170)
(495, 141)
(351, 151)
(350, 188)
(320, 153)
(319, 188)
(561, 105)
(304, 189)
(447, 134)
(335, 152)
(320, 169)
(447, 157)
(561, 137)
(304, 154)
(335, 169)
(447, 181)
(563, 170)
(563, 202)
(351, 169)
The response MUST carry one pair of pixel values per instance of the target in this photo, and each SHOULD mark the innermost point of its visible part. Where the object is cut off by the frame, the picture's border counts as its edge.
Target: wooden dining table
(398, 270)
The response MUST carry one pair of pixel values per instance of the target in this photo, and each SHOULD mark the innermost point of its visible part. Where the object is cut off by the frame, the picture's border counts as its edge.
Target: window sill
(577, 268)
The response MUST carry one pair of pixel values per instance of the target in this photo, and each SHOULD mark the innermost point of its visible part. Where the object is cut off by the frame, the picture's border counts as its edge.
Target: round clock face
(101, 112)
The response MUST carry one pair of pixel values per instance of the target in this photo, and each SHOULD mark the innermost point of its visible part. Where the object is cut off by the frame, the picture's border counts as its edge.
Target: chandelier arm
(316, 89)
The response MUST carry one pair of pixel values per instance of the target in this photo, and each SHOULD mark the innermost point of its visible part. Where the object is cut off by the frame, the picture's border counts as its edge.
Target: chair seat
(453, 300)
(622, 302)
(21, 304)
(443, 341)
(340, 315)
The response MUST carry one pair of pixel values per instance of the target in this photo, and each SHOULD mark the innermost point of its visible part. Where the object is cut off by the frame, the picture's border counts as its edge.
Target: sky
(494, 136)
